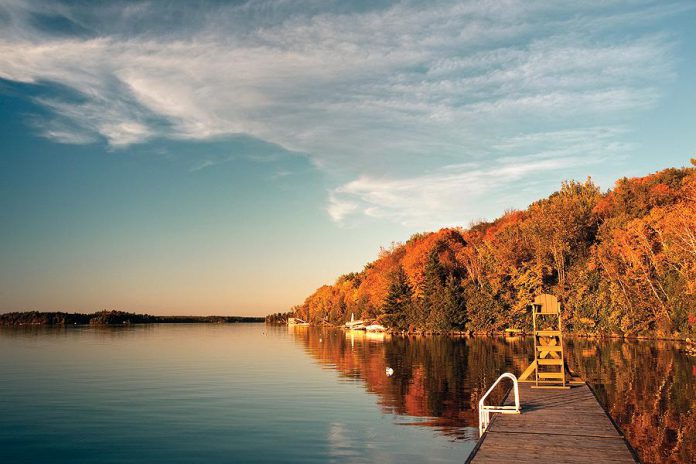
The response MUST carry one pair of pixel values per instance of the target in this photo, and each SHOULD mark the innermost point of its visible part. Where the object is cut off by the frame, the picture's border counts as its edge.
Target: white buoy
(389, 371)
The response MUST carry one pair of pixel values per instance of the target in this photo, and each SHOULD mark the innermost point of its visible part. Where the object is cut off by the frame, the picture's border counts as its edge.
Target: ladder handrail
(485, 411)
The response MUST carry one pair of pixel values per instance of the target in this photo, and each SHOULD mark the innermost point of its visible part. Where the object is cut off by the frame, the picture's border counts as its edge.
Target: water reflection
(213, 393)
(647, 387)
(438, 380)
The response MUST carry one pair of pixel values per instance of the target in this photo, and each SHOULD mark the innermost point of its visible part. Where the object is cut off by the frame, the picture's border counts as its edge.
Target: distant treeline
(279, 318)
(621, 262)
(110, 318)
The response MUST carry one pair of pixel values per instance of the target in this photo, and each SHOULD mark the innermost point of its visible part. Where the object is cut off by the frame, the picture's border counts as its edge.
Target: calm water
(251, 393)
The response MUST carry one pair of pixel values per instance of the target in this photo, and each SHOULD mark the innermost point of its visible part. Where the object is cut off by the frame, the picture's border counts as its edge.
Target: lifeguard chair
(549, 366)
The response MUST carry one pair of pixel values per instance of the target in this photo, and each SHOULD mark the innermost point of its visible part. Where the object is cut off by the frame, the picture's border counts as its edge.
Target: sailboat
(355, 325)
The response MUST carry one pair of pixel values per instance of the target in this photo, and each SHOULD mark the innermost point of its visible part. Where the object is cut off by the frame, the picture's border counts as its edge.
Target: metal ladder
(486, 411)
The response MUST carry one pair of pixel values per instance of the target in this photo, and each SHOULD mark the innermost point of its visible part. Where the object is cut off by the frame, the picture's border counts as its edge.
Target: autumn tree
(562, 226)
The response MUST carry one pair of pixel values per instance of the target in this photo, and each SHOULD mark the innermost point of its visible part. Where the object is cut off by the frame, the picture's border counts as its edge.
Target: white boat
(375, 328)
(296, 321)
(363, 335)
(360, 327)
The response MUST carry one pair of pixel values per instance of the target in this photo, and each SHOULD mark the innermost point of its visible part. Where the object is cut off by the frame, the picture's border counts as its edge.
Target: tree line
(109, 318)
(278, 318)
(621, 262)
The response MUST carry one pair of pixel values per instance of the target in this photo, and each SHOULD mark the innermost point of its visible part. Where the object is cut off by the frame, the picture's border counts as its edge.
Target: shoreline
(466, 334)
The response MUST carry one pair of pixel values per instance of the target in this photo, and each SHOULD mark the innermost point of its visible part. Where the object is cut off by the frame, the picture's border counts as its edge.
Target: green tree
(433, 315)
(454, 304)
(398, 304)
(483, 309)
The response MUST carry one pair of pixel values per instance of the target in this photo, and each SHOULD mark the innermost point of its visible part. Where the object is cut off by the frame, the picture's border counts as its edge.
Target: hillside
(621, 262)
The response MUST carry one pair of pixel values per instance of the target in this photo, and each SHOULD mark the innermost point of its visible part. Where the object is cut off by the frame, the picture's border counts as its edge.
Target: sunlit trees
(650, 263)
(621, 262)
(561, 227)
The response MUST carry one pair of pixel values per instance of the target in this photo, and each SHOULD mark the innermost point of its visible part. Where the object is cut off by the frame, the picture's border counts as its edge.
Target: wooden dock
(555, 426)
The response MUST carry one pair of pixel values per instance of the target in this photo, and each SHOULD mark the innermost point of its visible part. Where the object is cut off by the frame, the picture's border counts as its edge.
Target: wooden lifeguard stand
(549, 366)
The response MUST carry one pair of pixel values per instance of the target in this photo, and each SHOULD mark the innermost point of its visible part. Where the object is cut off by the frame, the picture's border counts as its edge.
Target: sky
(173, 157)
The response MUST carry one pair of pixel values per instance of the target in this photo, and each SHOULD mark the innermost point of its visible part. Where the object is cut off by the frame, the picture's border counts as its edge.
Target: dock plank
(559, 426)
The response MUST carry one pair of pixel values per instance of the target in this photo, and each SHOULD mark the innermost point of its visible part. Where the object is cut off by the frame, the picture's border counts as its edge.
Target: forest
(622, 263)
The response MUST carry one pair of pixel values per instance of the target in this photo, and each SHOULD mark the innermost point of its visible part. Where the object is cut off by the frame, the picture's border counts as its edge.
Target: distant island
(622, 263)
(111, 318)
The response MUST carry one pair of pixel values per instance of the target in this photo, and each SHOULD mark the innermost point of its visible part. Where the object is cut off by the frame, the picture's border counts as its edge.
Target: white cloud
(456, 194)
(339, 208)
(383, 93)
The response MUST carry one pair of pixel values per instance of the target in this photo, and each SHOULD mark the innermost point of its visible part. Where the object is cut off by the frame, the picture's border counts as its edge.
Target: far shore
(111, 318)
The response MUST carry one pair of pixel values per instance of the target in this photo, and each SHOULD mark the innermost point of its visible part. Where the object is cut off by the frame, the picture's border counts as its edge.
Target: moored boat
(355, 325)
(375, 328)
(297, 322)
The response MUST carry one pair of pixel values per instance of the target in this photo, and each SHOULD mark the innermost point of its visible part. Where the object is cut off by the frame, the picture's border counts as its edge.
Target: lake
(219, 393)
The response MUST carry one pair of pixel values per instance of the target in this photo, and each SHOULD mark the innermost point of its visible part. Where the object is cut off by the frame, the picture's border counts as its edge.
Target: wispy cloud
(372, 93)
(455, 194)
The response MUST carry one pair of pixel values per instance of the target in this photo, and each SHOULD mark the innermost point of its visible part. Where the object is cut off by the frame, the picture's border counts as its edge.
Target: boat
(355, 325)
(297, 322)
(359, 325)
(364, 335)
(375, 328)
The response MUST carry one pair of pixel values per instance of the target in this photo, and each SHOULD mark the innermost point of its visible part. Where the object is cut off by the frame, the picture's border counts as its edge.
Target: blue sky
(230, 157)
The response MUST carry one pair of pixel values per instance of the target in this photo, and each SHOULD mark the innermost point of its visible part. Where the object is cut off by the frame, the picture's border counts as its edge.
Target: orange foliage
(623, 261)
(447, 243)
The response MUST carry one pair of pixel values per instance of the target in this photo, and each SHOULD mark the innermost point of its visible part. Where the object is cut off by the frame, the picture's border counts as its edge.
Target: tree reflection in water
(647, 387)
